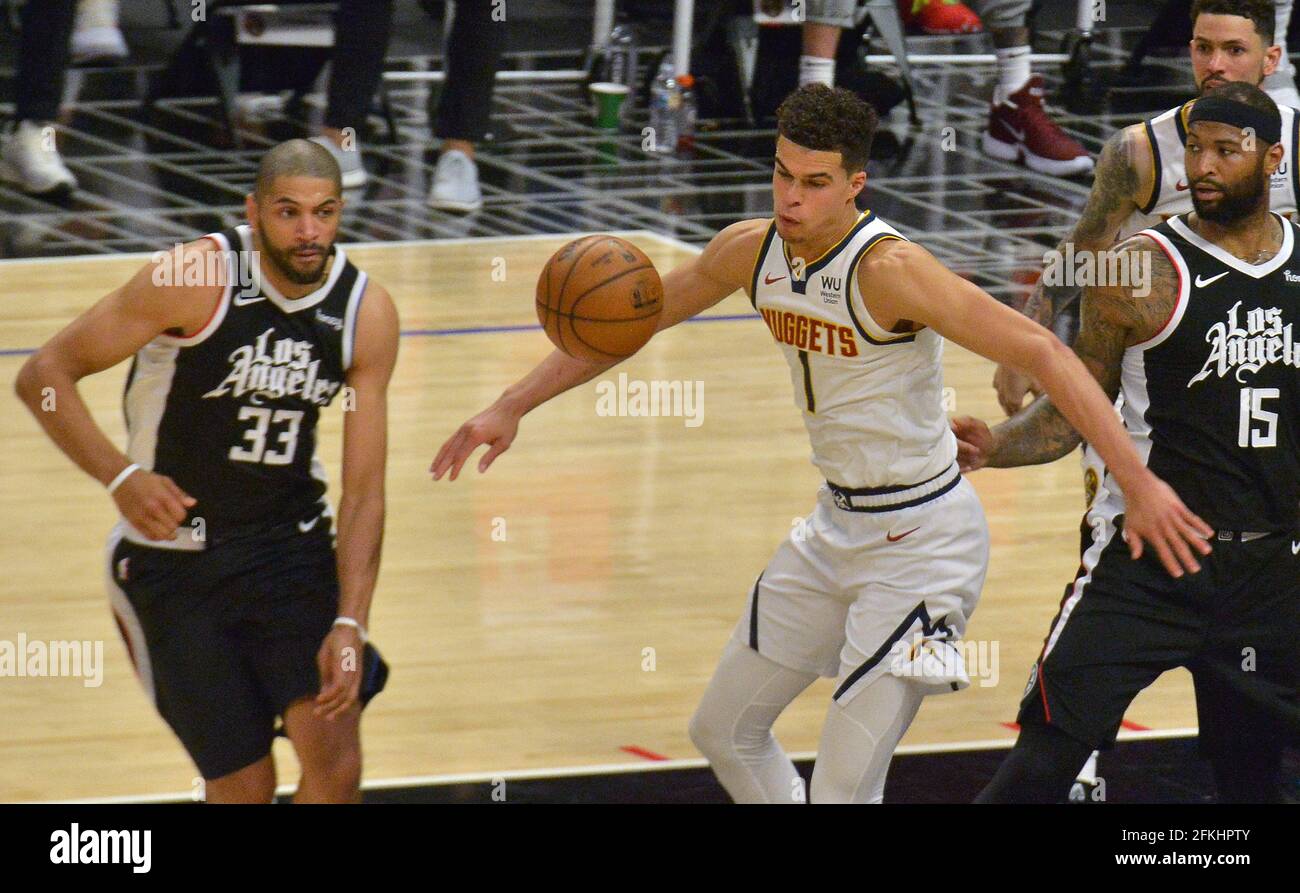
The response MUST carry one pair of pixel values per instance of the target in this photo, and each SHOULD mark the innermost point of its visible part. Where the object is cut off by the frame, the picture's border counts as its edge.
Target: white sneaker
(95, 35)
(30, 158)
(354, 172)
(455, 183)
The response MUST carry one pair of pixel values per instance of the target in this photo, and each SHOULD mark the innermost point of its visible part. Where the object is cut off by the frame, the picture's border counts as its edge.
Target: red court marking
(1134, 727)
(1013, 726)
(642, 752)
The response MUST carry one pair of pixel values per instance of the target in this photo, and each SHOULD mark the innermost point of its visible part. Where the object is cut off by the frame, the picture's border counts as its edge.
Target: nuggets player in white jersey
(896, 547)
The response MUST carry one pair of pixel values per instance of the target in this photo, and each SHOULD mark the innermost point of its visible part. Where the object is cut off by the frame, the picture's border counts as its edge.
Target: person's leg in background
(360, 42)
(474, 49)
(1280, 85)
(28, 153)
(96, 36)
(821, 36)
(1019, 126)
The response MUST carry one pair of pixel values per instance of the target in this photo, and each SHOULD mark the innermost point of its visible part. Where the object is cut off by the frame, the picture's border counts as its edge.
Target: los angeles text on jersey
(273, 369)
(810, 333)
(1263, 340)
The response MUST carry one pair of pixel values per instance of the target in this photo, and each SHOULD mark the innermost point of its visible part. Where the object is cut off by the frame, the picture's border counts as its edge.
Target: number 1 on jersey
(810, 399)
(1252, 410)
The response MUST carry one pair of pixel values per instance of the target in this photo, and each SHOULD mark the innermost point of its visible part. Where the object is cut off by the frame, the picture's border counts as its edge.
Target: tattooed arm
(1124, 178)
(1112, 319)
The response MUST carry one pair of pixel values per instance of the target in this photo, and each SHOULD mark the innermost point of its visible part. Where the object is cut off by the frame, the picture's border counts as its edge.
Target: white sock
(733, 726)
(1013, 70)
(816, 70)
(859, 738)
(96, 14)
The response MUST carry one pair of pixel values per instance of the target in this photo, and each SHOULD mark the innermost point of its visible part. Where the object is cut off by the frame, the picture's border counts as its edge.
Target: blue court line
(443, 333)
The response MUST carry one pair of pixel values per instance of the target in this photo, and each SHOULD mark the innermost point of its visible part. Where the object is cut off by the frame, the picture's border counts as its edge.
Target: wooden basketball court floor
(564, 610)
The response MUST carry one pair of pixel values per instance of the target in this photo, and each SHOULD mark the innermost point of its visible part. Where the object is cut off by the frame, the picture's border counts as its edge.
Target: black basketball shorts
(1235, 625)
(226, 638)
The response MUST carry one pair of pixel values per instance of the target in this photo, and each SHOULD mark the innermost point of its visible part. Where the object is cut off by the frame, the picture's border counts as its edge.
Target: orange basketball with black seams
(599, 298)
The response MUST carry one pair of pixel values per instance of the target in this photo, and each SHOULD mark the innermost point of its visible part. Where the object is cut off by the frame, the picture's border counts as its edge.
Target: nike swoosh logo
(768, 280)
(241, 301)
(1181, 186)
(304, 526)
(1295, 548)
(1201, 283)
(894, 539)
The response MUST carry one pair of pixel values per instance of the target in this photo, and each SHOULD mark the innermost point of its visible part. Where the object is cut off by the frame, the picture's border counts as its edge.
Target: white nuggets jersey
(872, 400)
(1171, 193)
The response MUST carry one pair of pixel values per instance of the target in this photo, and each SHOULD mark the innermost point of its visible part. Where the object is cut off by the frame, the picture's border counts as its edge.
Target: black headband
(1221, 110)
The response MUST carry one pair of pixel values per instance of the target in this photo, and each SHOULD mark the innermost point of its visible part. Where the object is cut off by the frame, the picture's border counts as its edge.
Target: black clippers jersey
(1212, 401)
(230, 412)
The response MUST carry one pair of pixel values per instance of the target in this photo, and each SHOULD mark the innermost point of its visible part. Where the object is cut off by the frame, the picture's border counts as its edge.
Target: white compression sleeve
(859, 738)
(733, 726)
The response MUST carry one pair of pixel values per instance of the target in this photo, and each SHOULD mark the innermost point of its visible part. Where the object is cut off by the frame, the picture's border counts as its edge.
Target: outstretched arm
(906, 282)
(689, 288)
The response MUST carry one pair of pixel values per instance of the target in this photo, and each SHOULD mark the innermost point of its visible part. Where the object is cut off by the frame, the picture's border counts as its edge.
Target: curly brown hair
(1258, 11)
(829, 119)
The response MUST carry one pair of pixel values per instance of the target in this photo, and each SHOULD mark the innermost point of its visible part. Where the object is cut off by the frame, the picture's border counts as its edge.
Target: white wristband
(348, 621)
(121, 476)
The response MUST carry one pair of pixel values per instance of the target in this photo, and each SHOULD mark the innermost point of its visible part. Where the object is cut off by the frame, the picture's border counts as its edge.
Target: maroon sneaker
(1019, 127)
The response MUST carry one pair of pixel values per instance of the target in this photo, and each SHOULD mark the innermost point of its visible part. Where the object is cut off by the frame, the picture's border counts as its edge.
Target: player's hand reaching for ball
(495, 426)
(974, 442)
(153, 503)
(1154, 514)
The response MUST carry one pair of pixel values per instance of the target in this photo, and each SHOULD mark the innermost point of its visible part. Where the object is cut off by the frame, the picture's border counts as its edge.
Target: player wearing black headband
(1139, 178)
(1140, 181)
(1209, 369)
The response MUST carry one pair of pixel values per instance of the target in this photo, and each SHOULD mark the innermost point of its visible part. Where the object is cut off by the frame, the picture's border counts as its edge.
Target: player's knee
(708, 735)
(719, 736)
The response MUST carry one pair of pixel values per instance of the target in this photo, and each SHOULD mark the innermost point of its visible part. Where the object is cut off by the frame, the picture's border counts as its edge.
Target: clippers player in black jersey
(1210, 375)
(223, 573)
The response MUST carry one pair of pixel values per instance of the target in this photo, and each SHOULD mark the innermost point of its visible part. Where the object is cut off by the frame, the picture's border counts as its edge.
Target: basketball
(599, 298)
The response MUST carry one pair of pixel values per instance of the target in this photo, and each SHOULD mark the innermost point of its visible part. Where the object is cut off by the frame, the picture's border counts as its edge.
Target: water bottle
(665, 100)
(620, 66)
(686, 114)
(620, 57)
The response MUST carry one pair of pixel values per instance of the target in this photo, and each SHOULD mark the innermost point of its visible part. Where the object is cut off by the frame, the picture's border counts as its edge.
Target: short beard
(1236, 204)
(284, 265)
